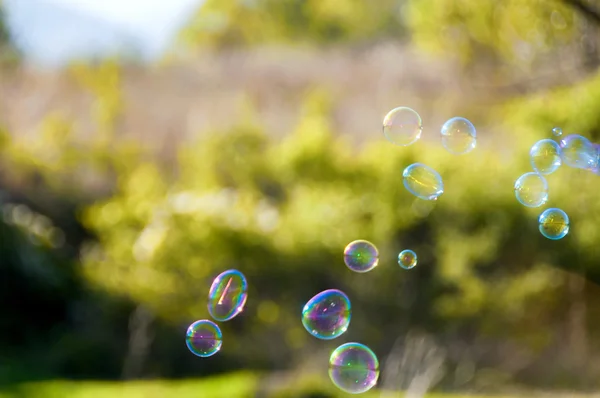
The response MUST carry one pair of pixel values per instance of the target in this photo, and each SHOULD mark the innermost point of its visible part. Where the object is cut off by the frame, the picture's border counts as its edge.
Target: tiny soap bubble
(407, 259)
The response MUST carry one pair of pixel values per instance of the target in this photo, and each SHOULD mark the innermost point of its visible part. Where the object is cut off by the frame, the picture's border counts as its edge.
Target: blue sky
(53, 32)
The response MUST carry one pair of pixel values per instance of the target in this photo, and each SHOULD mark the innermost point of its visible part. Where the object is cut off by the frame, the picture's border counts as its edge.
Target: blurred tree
(8, 53)
(255, 22)
(500, 39)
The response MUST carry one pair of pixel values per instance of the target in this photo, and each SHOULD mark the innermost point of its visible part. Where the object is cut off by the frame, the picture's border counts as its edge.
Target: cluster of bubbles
(403, 126)
(353, 367)
(226, 299)
(546, 156)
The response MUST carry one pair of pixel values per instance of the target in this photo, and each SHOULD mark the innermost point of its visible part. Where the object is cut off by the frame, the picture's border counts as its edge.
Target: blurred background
(148, 145)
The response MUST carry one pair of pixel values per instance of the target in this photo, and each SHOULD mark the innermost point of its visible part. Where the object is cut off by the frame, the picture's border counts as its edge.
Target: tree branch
(587, 10)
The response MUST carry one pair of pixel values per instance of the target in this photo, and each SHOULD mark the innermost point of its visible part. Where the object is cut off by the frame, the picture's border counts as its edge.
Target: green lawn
(237, 385)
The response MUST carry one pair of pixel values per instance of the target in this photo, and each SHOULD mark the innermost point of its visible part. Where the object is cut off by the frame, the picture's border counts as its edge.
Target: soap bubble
(545, 156)
(402, 126)
(459, 136)
(407, 259)
(361, 256)
(203, 338)
(227, 296)
(596, 169)
(353, 368)
(531, 190)
(423, 181)
(327, 315)
(557, 131)
(577, 151)
(554, 223)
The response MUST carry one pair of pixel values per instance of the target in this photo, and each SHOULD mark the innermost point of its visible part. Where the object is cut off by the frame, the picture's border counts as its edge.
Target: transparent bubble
(407, 259)
(596, 169)
(531, 190)
(361, 256)
(327, 315)
(577, 151)
(545, 156)
(423, 181)
(557, 131)
(353, 368)
(204, 338)
(459, 136)
(227, 296)
(402, 126)
(554, 223)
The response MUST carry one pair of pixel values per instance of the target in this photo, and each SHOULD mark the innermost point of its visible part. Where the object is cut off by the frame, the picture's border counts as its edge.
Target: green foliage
(8, 53)
(246, 23)
(515, 30)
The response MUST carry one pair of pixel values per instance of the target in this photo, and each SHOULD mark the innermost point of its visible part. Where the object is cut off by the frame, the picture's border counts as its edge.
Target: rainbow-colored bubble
(327, 315)
(361, 256)
(407, 259)
(204, 338)
(227, 296)
(353, 368)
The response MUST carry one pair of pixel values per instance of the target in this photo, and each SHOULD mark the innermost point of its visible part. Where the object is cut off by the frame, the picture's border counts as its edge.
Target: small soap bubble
(577, 151)
(327, 315)
(554, 223)
(557, 131)
(531, 190)
(353, 368)
(459, 136)
(227, 295)
(204, 338)
(596, 169)
(407, 259)
(361, 256)
(423, 181)
(545, 156)
(402, 126)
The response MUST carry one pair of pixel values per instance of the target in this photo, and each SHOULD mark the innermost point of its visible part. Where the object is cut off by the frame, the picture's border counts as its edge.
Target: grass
(239, 385)
(235, 385)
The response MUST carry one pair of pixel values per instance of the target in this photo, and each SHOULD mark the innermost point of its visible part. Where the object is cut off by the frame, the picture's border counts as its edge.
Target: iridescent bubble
(407, 259)
(423, 181)
(361, 256)
(531, 190)
(554, 223)
(557, 131)
(353, 368)
(545, 156)
(577, 151)
(327, 315)
(402, 126)
(227, 295)
(204, 338)
(459, 136)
